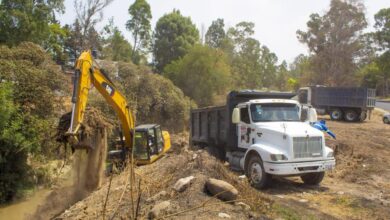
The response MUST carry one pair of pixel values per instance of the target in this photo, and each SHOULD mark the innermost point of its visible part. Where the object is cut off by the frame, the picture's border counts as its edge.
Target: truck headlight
(330, 154)
(278, 157)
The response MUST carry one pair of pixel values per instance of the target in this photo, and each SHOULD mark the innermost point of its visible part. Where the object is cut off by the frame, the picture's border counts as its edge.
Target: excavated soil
(87, 165)
(359, 187)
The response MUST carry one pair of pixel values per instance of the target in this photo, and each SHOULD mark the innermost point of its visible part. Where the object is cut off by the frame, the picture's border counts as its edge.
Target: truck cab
(277, 142)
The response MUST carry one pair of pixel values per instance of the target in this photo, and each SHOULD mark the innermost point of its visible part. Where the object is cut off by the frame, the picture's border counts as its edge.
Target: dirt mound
(156, 185)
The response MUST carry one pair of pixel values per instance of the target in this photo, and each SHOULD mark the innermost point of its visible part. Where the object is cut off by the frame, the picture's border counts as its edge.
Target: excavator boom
(86, 75)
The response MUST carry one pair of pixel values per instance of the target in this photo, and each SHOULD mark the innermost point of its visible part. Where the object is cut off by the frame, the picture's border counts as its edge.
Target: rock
(159, 209)
(157, 196)
(303, 200)
(280, 196)
(340, 192)
(194, 156)
(183, 183)
(243, 205)
(223, 215)
(242, 177)
(221, 189)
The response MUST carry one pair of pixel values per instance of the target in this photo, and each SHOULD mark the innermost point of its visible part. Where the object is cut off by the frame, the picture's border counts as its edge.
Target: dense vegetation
(160, 71)
(30, 96)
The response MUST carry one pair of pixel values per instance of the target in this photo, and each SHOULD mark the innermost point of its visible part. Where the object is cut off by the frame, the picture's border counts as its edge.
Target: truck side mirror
(304, 113)
(236, 117)
(312, 115)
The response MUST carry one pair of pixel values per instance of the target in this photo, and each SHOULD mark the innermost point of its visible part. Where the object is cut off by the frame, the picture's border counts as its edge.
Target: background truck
(262, 133)
(341, 103)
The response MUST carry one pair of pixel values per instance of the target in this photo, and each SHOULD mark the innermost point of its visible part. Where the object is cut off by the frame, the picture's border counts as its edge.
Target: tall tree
(382, 25)
(174, 35)
(335, 41)
(253, 65)
(377, 73)
(139, 26)
(26, 20)
(202, 74)
(116, 47)
(73, 44)
(215, 35)
(89, 13)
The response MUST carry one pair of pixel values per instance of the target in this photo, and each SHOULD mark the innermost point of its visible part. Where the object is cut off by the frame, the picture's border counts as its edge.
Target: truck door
(244, 129)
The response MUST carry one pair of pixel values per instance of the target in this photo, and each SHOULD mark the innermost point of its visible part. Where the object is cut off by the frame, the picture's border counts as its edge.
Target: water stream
(21, 209)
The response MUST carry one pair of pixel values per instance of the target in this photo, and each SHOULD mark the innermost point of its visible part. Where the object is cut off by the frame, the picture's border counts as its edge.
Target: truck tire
(350, 115)
(336, 114)
(313, 178)
(363, 116)
(256, 174)
(386, 120)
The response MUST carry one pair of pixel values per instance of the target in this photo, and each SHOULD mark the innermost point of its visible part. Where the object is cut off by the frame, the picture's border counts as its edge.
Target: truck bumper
(285, 169)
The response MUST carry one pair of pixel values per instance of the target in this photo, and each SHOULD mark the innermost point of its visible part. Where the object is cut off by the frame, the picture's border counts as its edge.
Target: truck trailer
(341, 103)
(264, 134)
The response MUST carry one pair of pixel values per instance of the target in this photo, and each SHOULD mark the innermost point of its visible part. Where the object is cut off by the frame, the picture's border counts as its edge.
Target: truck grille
(305, 147)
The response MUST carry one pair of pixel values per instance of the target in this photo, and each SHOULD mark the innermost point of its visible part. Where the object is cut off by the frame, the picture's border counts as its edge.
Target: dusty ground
(359, 187)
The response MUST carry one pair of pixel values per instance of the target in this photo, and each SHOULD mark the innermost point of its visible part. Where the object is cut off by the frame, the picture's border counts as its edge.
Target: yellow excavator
(146, 143)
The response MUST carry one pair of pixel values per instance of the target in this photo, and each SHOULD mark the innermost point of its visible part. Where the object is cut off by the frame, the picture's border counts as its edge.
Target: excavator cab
(150, 143)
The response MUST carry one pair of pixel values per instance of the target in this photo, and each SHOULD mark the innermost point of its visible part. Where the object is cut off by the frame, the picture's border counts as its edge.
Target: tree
(174, 36)
(76, 42)
(73, 44)
(282, 77)
(335, 41)
(215, 35)
(116, 47)
(30, 84)
(26, 20)
(382, 24)
(202, 74)
(139, 26)
(34, 21)
(253, 65)
(382, 35)
(89, 13)
(301, 71)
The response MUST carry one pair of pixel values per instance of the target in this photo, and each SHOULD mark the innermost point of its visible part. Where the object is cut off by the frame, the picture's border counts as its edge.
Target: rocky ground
(359, 187)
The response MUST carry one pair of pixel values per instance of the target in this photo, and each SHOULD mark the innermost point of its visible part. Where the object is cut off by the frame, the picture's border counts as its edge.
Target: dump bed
(352, 97)
(212, 126)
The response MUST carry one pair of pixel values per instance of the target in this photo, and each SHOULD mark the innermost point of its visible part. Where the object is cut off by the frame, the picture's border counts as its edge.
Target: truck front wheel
(336, 114)
(256, 173)
(313, 178)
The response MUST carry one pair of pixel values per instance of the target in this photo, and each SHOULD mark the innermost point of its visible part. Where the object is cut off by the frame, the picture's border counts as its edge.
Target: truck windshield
(274, 112)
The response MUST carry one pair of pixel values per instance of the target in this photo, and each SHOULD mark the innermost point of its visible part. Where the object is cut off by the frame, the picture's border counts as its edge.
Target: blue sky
(276, 20)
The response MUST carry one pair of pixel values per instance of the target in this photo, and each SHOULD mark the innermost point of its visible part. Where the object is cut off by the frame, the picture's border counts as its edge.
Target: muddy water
(19, 210)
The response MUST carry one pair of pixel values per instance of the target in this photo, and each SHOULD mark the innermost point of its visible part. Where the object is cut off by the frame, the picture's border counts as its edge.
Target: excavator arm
(86, 75)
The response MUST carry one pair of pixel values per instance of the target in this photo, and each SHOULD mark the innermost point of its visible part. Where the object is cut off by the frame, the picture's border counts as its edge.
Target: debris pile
(177, 186)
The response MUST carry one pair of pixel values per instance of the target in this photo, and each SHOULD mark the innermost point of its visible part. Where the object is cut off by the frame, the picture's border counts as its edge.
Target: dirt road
(359, 187)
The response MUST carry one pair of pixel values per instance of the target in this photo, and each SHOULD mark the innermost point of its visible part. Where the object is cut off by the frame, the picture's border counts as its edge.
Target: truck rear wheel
(313, 178)
(336, 114)
(363, 116)
(350, 115)
(256, 173)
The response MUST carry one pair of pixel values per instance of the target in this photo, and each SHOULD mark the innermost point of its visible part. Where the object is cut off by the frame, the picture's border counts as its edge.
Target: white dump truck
(264, 134)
